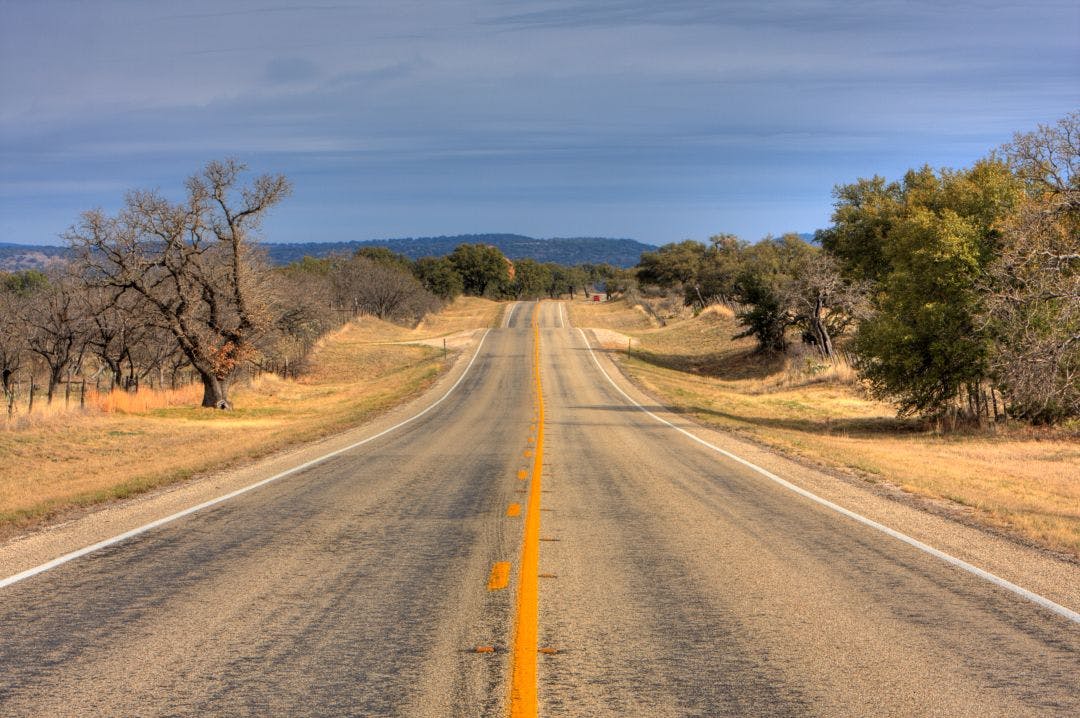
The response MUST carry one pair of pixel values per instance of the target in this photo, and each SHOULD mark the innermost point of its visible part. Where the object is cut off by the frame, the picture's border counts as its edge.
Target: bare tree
(12, 337)
(117, 327)
(1033, 310)
(56, 321)
(823, 303)
(1032, 288)
(302, 310)
(191, 265)
(1049, 159)
(385, 291)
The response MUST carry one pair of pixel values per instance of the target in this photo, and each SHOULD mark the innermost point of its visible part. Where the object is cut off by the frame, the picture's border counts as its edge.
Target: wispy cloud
(395, 117)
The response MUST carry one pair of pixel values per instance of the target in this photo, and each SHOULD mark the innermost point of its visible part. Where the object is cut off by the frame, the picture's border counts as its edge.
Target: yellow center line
(523, 683)
(513, 510)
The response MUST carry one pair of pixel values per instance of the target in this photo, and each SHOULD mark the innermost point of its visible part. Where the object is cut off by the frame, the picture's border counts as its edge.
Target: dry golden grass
(1020, 480)
(608, 315)
(59, 460)
(462, 314)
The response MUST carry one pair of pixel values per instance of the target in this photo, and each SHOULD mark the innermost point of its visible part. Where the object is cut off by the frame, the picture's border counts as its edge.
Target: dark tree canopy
(483, 270)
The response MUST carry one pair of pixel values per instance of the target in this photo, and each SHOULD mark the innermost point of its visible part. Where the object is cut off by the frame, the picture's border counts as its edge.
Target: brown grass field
(123, 444)
(1020, 480)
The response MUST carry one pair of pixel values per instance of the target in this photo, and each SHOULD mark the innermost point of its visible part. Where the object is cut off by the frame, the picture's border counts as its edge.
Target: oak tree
(191, 264)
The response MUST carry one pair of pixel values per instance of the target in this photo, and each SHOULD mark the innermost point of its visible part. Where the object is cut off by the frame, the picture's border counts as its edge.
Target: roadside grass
(61, 460)
(1022, 480)
(462, 314)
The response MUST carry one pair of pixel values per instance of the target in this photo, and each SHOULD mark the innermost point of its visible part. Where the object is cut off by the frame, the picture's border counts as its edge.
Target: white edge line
(510, 315)
(207, 504)
(964, 565)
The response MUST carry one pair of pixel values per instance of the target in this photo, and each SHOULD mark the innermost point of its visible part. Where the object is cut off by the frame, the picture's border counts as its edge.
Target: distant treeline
(958, 289)
(565, 251)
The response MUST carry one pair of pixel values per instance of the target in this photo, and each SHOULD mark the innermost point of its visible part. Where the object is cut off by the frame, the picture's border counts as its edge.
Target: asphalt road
(673, 582)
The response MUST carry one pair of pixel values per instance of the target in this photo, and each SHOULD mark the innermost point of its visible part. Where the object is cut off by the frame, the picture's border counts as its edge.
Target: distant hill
(564, 250)
(16, 257)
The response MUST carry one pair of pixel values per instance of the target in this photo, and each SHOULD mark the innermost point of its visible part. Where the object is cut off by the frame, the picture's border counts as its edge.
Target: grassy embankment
(1023, 481)
(55, 460)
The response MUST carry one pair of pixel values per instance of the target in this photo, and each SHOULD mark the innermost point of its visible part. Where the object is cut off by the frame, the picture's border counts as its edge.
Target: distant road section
(671, 581)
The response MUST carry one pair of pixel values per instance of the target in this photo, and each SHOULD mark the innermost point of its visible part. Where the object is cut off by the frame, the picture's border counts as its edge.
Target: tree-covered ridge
(561, 250)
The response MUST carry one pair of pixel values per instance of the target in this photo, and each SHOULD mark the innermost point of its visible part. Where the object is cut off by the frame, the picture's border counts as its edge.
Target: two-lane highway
(672, 582)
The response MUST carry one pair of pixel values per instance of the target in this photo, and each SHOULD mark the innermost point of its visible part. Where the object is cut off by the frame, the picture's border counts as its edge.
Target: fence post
(30, 407)
(82, 395)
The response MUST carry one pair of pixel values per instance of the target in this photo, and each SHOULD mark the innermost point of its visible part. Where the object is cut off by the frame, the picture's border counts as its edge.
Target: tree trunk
(55, 374)
(821, 332)
(215, 392)
(117, 372)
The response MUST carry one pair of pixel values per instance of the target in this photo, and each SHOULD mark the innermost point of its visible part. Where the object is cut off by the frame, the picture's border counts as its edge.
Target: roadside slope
(357, 373)
(1020, 482)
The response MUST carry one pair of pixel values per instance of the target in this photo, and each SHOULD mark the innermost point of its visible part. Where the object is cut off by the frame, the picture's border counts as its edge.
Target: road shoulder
(1029, 567)
(48, 541)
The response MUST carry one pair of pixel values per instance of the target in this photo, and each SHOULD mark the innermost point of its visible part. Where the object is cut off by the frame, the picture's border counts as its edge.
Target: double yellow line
(523, 683)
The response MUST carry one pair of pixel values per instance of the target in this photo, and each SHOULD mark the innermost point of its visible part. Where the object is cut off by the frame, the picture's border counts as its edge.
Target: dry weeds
(1018, 479)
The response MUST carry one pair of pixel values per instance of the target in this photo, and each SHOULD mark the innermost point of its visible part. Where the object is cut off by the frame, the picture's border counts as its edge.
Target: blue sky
(653, 119)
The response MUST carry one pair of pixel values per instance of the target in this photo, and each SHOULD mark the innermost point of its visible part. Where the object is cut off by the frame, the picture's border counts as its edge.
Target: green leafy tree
(385, 256)
(923, 347)
(439, 277)
(483, 269)
(863, 217)
(719, 271)
(531, 279)
(307, 267)
(576, 279)
(558, 280)
(673, 265)
(767, 269)
(23, 282)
